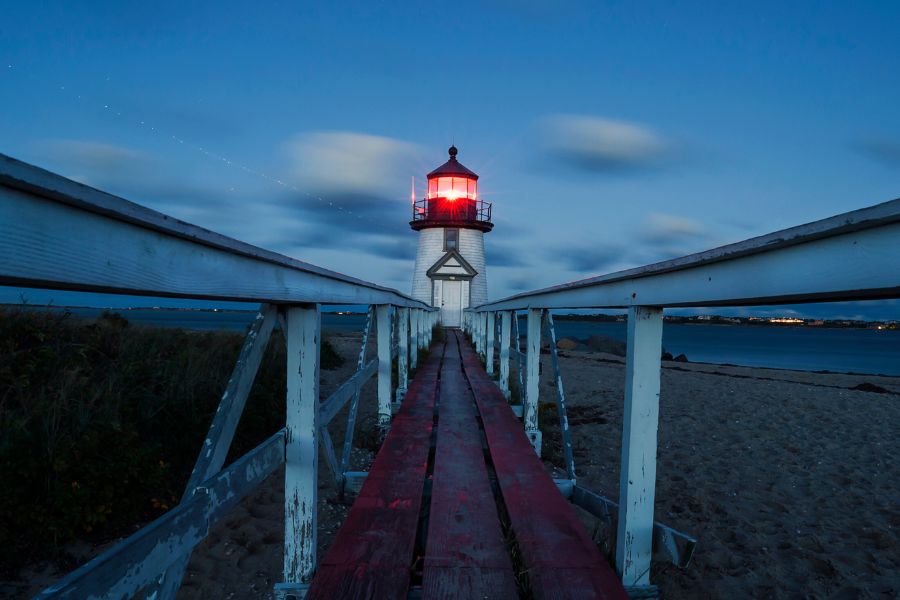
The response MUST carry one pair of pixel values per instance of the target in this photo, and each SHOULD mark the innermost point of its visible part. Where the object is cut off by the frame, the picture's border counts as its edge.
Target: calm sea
(801, 348)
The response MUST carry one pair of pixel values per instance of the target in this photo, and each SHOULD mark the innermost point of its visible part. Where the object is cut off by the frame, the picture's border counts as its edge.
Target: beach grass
(101, 422)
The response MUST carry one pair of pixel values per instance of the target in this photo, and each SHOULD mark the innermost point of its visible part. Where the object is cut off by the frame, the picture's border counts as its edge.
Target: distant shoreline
(597, 318)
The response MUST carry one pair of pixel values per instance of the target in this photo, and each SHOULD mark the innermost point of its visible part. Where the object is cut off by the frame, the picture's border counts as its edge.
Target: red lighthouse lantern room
(452, 199)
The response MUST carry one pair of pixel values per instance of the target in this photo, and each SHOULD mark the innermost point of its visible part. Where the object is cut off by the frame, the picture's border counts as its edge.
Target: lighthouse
(451, 220)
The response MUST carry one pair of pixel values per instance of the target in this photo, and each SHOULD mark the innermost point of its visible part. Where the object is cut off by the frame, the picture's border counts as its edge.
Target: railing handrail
(36, 182)
(883, 282)
(482, 209)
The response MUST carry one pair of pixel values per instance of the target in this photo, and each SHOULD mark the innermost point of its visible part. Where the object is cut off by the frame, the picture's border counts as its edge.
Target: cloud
(136, 175)
(660, 237)
(884, 151)
(600, 145)
(522, 284)
(347, 161)
(664, 230)
(354, 192)
(500, 255)
(588, 258)
(96, 158)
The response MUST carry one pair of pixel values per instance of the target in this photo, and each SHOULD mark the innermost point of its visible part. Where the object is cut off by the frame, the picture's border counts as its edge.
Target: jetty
(458, 503)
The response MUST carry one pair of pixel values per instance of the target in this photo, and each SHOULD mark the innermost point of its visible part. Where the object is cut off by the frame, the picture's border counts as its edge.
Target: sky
(607, 134)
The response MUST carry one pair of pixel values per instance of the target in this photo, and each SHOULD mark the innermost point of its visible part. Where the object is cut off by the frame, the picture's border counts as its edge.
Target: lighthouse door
(451, 303)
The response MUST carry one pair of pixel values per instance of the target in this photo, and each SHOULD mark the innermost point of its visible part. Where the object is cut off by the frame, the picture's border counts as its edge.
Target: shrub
(101, 422)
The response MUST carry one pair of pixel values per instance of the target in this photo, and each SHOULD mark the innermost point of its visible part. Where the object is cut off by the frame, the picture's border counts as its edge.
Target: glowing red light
(452, 188)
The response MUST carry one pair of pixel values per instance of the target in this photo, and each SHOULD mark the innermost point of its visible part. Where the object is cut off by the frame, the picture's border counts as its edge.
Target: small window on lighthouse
(451, 239)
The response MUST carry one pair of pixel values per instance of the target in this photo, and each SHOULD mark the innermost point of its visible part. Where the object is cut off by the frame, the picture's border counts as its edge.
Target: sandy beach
(789, 480)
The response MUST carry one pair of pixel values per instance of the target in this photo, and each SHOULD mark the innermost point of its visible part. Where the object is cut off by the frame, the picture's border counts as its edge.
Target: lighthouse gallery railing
(853, 256)
(56, 233)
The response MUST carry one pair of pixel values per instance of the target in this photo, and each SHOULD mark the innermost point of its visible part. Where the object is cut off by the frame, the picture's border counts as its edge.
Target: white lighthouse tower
(451, 221)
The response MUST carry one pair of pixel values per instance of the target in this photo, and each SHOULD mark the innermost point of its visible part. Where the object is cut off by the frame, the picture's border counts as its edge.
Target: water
(800, 348)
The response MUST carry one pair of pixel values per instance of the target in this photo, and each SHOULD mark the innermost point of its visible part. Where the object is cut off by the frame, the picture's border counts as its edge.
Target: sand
(790, 481)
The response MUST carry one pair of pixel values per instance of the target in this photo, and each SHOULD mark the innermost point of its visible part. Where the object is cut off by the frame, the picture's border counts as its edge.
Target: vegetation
(101, 422)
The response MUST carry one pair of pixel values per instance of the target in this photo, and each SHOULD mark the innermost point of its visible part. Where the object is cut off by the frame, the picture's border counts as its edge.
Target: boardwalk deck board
(466, 556)
(372, 554)
(561, 558)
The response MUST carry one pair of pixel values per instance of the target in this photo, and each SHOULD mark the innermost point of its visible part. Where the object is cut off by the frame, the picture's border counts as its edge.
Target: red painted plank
(469, 583)
(561, 558)
(373, 551)
(360, 581)
(465, 556)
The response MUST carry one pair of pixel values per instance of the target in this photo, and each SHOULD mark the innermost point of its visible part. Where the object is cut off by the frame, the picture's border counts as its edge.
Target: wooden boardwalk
(458, 505)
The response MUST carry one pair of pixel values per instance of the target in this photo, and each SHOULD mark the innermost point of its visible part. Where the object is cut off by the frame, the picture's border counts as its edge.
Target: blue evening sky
(608, 135)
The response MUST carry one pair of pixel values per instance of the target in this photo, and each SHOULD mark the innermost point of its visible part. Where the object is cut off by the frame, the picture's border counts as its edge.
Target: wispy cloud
(132, 173)
(588, 258)
(664, 230)
(503, 255)
(882, 150)
(602, 145)
(348, 161)
(92, 158)
(354, 195)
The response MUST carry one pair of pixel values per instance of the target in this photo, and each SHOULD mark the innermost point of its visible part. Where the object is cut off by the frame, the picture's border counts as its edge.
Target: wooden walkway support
(458, 505)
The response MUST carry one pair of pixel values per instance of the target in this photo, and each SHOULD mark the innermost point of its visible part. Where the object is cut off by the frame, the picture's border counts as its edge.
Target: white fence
(58, 234)
(853, 256)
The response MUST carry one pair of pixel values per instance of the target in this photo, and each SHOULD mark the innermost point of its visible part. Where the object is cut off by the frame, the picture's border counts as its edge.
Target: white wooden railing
(58, 234)
(853, 256)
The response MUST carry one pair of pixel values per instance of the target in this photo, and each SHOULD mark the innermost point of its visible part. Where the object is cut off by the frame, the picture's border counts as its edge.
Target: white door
(451, 303)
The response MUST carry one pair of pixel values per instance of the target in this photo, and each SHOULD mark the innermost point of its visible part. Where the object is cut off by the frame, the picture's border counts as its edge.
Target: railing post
(505, 328)
(353, 409)
(637, 481)
(383, 324)
(532, 375)
(403, 352)
(568, 451)
(484, 334)
(301, 446)
(489, 343)
(520, 365)
(482, 322)
(413, 337)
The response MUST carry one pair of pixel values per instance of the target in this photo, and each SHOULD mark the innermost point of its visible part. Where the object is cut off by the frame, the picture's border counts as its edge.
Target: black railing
(443, 209)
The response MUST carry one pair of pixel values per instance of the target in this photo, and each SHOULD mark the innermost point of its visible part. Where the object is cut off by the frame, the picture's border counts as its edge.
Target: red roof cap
(452, 167)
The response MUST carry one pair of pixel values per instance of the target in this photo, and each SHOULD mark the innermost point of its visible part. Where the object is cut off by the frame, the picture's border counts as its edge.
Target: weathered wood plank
(551, 538)
(332, 405)
(640, 422)
(138, 561)
(303, 337)
(489, 344)
(560, 399)
(373, 551)
(402, 352)
(383, 327)
(851, 256)
(532, 375)
(57, 233)
(221, 431)
(505, 329)
(354, 404)
(466, 556)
